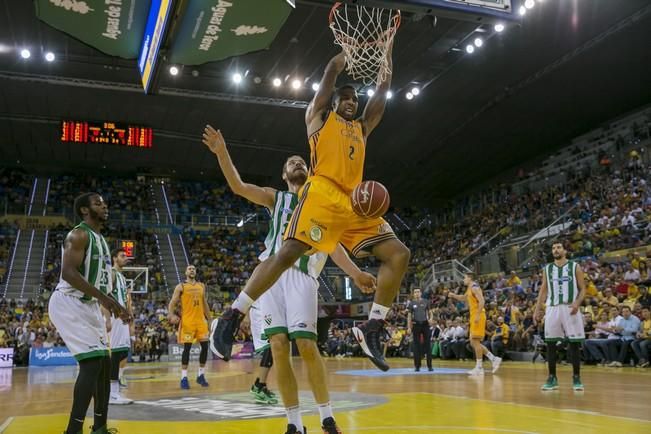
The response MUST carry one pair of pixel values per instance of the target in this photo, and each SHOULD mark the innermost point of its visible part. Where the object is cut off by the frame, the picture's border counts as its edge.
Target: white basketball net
(365, 35)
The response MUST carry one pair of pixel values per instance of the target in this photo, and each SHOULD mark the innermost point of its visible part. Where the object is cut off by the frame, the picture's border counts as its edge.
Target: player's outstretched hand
(113, 307)
(214, 140)
(366, 282)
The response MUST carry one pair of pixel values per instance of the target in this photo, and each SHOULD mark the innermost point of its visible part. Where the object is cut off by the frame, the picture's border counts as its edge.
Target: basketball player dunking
(195, 317)
(289, 308)
(74, 310)
(324, 216)
(475, 299)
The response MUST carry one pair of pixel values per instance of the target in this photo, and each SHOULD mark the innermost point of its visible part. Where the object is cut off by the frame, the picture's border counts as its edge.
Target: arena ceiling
(570, 66)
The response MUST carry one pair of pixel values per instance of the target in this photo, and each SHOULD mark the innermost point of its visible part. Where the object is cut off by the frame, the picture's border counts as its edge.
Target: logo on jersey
(301, 325)
(564, 279)
(316, 234)
(384, 228)
(267, 319)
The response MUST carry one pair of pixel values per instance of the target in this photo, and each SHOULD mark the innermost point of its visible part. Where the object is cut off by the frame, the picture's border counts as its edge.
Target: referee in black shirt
(418, 324)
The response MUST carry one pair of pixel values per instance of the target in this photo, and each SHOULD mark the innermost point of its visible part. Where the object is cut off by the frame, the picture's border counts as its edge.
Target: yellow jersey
(337, 152)
(473, 303)
(192, 302)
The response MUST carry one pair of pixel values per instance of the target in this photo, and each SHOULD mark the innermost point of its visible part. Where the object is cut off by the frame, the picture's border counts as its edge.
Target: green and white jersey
(284, 205)
(562, 286)
(96, 268)
(119, 292)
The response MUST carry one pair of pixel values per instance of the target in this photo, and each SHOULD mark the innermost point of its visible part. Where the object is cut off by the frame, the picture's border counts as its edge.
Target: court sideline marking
(5, 425)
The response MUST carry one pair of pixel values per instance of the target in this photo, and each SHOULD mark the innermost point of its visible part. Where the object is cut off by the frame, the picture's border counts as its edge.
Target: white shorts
(560, 324)
(260, 341)
(291, 306)
(120, 335)
(80, 324)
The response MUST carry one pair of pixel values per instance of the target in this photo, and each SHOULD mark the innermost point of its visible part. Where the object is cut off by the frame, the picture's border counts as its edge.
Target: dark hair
(81, 201)
(116, 252)
(340, 90)
(626, 307)
(471, 274)
(559, 242)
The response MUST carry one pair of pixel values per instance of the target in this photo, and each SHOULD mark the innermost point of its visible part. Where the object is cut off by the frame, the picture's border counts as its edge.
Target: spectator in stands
(645, 298)
(642, 344)
(514, 282)
(632, 274)
(500, 338)
(626, 327)
(609, 298)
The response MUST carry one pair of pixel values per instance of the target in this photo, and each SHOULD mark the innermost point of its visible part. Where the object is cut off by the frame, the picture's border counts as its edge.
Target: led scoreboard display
(106, 132)
(129, 247)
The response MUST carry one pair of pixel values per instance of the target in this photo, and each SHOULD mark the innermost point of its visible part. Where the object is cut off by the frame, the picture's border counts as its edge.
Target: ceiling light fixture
(49, 56)
(237, 78)
(25, 53)
(296, 84)
(409, 96)
(479, 42)
(499, 28)
(470, 49)
(174, 70)
(370, 92)
(277, 82)
(415, 91)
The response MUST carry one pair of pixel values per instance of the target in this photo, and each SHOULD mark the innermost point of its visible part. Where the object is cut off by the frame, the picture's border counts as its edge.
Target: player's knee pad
(203, 356)
(185, 357)
(267, 360)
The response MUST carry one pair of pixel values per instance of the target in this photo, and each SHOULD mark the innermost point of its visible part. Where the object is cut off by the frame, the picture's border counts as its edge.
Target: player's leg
(185, 361)
(120, 344)
(259, 388)
(101, 395)
(574, 330)
(427, 346)
(81, 326)
(286, 380)
(203, 358)
(553, 334)
(264, 275)
(417, 335)
(394, 257)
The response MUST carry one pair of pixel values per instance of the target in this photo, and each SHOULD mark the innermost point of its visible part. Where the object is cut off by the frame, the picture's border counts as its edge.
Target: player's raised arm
(259, 195)
(73, 258)
(323, 97)
(375, 107)
(364, 281)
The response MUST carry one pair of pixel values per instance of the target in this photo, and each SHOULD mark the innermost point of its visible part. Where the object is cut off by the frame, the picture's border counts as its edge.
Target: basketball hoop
(365, 35)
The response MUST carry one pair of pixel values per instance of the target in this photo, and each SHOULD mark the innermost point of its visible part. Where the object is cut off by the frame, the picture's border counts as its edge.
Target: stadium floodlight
(478, 42)
(49, 56)
(370, 92)
(315, 86)
(25, 53)
(415, 91)
(174, 70)
(529, 4)
(522, 11)
(277, 82)
(499, 28)
(409, 96)
(389, 94)
(237, 78)
(470, 49)
(296, 84)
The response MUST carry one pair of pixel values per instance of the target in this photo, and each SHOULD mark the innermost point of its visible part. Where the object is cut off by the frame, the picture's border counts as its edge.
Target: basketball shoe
(291, 429)
(222, 333)
(368, 335)
(201, 380)
(330, 426)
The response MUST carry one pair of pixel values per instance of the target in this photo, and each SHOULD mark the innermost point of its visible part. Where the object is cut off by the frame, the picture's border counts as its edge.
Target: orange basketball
(370, 199)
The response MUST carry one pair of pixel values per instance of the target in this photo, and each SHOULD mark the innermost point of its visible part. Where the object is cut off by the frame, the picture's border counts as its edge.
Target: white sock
(294, 417)
(184, 373)
(478, 365)
(378, 311)
(243, 302)
(325, 411)
(115, 388)
(121, 375)
(490, 356)
(201, 371)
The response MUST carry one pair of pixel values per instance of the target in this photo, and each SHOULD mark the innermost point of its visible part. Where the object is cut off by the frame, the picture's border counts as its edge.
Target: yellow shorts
(191, 330)
(478, 330)
(324, 217)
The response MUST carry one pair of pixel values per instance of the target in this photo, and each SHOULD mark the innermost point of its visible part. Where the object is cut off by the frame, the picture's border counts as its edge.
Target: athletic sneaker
(291, 429)
(643, 363)
(185, 384)
(123, 383)
(201, 380)
(576, 383)
(497, 361)
(264, 396)
(551, 384)
(117, 399)
(476, 372)
(330, 426)
(104, 430)
(368, 335)
(223, 331)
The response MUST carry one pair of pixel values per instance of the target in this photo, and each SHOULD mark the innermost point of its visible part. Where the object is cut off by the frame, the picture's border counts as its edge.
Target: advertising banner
(56, 356)
(6, 357)
(112, 26)
(216, 29)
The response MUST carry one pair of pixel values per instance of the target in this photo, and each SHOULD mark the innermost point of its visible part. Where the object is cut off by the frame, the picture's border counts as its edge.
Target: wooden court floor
(616, 400)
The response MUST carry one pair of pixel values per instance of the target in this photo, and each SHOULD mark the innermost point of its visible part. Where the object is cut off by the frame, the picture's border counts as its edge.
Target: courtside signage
(55, 356)
(6, 357)
(152, 39)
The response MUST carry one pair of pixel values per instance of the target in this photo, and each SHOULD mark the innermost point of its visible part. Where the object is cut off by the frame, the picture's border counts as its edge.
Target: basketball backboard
(479, 11)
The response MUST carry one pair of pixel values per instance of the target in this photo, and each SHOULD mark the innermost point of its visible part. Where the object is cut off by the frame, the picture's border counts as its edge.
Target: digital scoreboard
(107, 132)
(129, 247)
